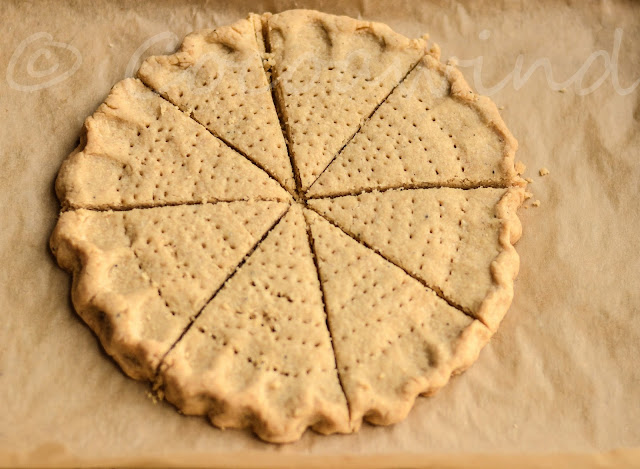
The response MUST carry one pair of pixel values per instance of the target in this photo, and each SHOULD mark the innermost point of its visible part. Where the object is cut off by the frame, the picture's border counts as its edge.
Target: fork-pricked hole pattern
(209, 258)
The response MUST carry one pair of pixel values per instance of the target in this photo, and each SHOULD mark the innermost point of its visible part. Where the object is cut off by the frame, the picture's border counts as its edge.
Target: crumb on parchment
(543, 171)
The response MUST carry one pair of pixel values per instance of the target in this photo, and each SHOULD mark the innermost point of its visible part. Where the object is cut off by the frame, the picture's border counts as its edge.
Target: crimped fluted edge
(104, 311)
(485, 108)
(504, 268)
(206, 396)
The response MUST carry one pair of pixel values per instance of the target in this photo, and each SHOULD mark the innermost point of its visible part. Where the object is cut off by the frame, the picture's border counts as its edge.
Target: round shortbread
(299, 220)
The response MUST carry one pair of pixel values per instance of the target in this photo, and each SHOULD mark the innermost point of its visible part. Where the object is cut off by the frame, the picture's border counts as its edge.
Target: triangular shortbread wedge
(330, 73)
(140, 276)
(394, 339)
(218, 77)
(459, 242)
(431, 131)
(260, 353)
(190, 250)
(140, 150)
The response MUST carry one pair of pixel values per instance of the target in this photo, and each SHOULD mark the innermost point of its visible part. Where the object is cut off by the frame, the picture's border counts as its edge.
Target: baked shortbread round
(299, 220)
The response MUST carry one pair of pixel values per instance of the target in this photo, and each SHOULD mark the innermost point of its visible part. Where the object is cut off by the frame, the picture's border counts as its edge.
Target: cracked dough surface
(296, 221)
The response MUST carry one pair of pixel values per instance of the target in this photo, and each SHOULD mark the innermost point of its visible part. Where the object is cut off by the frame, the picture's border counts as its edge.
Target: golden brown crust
(339, 23)
(467, 348)
(505, 266)
(231, 347)
(209, 395)
(116, 309)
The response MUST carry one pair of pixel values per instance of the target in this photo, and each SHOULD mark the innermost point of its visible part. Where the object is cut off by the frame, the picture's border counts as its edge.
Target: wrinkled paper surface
(561, 376)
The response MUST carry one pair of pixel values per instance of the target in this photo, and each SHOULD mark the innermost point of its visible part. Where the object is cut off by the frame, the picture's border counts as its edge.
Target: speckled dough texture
(297, 221)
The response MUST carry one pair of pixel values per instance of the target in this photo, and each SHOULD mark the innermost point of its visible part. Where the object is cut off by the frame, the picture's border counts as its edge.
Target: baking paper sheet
(562, 375)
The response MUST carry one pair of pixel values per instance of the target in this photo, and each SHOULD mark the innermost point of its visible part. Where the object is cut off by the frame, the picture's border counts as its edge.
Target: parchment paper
(562, 375)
